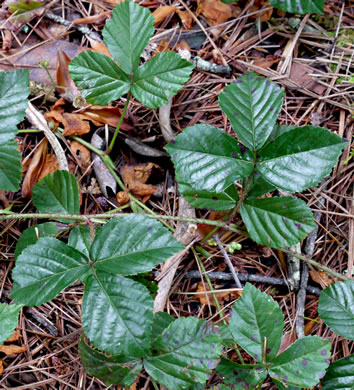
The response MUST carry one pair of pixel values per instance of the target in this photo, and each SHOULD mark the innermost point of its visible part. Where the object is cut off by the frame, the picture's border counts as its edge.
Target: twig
(207, 66)
(248, 278)
(228, 261)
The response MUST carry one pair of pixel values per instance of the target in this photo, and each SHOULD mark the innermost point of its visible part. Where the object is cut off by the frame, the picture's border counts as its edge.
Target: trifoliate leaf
(80, 239)
(277, 222)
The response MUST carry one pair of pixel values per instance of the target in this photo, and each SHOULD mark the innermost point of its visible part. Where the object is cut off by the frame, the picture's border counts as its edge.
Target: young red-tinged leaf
(257, 323)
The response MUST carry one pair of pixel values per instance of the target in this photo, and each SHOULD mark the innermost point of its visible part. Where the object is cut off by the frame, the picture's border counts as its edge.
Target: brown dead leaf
(288, 339)
(63, 78)
(123, 197)
(106, 115)
(51, 165)
(204, 229)
(15, 337)
(186, 18)
(309, 325)
(99, 47)
(135, 177)
(114, 2)
(7, 40)
(1, 367)
(74, 124)
(92, 19)
(258, 5)
(267, 61)
(322, 278)
(82, 154)
(215, 11)
(4, 199)
(12, 349)
(161, 13)
(223, 296)
(300, 74)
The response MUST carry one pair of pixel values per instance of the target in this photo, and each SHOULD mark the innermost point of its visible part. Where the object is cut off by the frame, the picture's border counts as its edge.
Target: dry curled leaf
(258, 6)
(161, 13)
(223, 296)
(15, 337)
(186, 18)
(216, 12)
(67, 89)
(82, 155)
(12, 349)
(100, 47)
(105, 115)
(322, 278)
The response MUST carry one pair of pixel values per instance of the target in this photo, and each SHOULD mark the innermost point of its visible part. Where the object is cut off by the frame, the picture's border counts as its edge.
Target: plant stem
(119, 125)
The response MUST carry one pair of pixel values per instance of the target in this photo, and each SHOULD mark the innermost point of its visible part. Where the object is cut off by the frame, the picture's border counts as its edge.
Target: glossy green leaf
(117, 314)
(8, 320)
(277, 222)
(10, 166)
(226, 335)
(304, 363)
(277, 131)
(57, 193)
(299, 6)
(160, 78)
(32, 234)
(14, 91)
(208, 159)
(45, 269)
(127, 34)
(161, 321)
(252, 104)
(336, 308)
(103, 81)
(256, 323)
(283, 386)
(300, 158)
(80, 239)
(259, 187)
(116, 369)
(241, 376)
(185, 354)
(131, 245)
(201, 199)
(340, 375)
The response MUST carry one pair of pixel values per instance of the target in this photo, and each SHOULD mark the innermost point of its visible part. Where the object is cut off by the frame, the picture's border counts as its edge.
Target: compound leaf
(8, 320)
(304, 363)
(14, 91)
(132, 245)
(259, 186)
(32, 234)
(117, 314)
(116, 369)
(160, 78)
(208, 159)
(252, 105)
(299, 6)
(103, 81)
(160, 322)
(340, 375)
(277, 222)
(44, 269)
(185, 354)
(127, 34)
(58, 193)
(336, 308)
(256, 323)
(79, 239)
(10, 166)
(241, 376)
(300, 158)
(201, 199)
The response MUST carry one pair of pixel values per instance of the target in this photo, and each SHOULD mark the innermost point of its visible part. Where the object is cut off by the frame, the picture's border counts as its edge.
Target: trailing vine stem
(100, 218)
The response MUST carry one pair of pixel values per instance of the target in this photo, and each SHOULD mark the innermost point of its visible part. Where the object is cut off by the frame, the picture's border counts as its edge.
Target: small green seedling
(208, 162)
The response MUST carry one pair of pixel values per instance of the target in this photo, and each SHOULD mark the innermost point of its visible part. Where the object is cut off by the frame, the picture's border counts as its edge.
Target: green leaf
(127, 34)
(241, 376)
(201, 199)
(207, 158)
(277, 222)
(14, 91)
(299, 6)
(257, 319)
(132, 245)
(252, 105)
(80, 239)
(57, 193)
(340, 375)
(336, 308)
(10, 166)
(117, 314)
(304, 363)
(281, 386)
(300, 158)
(185, 353)
(102, 79)
(45, 269)
(8, 320)
(160, 78)
(160, 322)
(226, 335)
(116, 370)
(259, 186)
(32, 234)
(277, 131)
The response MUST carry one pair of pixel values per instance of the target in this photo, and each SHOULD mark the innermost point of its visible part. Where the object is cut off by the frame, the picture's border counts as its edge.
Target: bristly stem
(115, 135)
